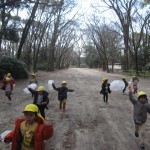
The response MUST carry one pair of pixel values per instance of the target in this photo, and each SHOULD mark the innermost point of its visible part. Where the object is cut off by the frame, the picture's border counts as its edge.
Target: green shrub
(13, 66)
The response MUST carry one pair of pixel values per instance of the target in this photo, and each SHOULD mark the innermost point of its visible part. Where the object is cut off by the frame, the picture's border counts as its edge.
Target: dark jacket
(62, 92)
(140, 110)
(45, 97)
(103, 90)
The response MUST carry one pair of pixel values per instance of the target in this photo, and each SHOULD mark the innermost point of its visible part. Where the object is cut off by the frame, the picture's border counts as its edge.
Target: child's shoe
(136, 134)
(142, 146)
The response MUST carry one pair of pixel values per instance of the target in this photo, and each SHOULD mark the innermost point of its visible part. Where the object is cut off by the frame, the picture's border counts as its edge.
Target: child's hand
(7, 141)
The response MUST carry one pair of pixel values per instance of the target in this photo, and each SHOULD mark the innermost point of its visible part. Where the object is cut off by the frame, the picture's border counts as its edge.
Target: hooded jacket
(140, 110)
(43, 132)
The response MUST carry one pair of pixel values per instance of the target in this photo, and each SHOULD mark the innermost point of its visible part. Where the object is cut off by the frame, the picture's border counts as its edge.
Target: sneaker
(123, 93)
(136, 134)
(142, 146)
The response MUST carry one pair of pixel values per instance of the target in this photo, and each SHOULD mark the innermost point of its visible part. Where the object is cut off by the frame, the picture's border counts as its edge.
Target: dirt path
(88, 123)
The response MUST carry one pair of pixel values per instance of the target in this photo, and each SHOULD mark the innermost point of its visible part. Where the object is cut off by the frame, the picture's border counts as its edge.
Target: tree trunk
(26, 29)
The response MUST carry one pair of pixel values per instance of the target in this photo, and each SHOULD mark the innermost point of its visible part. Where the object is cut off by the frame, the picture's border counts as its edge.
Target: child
(105, 89)
(8, 87)
(126, 84)
(62, 94)
(30, 131)
(40, 99)
(9, 76)
(135, 81)
(33, 79)
(141, 108)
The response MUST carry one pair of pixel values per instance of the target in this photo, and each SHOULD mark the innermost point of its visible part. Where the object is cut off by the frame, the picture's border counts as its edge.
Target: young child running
(9, 76)
(33, 79)
(141, 108)
(62, 94)
(126, 84)
(105, 89)
(40, 99)
(30, 132)
(135, 81)
(8, 87)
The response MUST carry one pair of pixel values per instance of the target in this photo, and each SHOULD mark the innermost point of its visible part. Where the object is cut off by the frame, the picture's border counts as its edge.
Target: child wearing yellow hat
(141, 108)
(30, 132)
(33, 79)
(8, 87)
(62, 94)
(105, 89)
(40, 99)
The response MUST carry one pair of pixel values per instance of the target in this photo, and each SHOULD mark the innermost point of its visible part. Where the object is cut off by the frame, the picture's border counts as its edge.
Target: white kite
(117, 85)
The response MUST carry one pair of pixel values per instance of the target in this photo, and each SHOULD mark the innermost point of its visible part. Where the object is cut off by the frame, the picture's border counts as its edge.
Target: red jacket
(12, 80)
(4, 85)
(44, 132)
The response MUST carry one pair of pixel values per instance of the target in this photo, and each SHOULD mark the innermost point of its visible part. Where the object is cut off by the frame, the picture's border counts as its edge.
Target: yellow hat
(141, 93)
(41, 88)
(104, 79)
(7, 79)
(33, 74)
(8, 74)
(64, 82)
(32, 108)
(123, 78)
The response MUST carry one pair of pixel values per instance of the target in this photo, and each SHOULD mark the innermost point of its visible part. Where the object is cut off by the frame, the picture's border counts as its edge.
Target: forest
(55, 34)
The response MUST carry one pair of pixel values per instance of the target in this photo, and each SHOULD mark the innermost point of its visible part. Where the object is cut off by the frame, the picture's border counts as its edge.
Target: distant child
(105, 89)
(141, 108)
(30, 132)
(33, 79)
(9, 76)
(126, 84)
(135, 81)
(8, 87)
(62, 94)
(40, 99)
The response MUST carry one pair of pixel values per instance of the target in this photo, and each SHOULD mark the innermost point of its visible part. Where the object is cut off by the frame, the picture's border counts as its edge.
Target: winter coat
(43, 132)
(45, 97)
(5, 83)
(62, 92)
(140, 110)
(12, 80)
(103, 90)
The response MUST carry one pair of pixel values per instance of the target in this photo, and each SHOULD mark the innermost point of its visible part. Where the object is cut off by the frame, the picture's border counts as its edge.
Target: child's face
(33, 77)
(29, 117)
(64, 85)
(143, 99)
(40, 92)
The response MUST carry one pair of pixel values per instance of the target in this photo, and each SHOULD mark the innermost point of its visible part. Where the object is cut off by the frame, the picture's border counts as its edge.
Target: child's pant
(140, 128)
(105, 97)
(8, 94)
(135, 89)
(41, 109)
(124, 89)
(62, 104)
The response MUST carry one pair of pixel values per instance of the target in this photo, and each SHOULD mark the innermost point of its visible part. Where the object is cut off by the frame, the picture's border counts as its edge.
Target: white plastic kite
(50, 87)
(33, 86)
(2, 136)
(117, 85)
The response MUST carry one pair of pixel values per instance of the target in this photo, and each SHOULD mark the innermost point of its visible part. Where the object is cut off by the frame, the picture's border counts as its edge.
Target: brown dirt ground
(88, 123)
